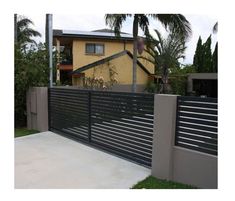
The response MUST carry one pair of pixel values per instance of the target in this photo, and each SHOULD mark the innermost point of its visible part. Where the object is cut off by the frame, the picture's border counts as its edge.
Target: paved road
(48, 160)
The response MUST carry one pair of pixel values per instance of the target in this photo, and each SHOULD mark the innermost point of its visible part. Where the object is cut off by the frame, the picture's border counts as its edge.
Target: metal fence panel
(118, 122)
(197, 124)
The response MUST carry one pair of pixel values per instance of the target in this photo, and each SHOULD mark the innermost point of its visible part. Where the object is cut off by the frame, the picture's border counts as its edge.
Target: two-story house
(93, 54)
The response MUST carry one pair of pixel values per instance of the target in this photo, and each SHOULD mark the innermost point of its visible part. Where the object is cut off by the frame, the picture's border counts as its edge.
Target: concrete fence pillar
(164, 135)
(37, 108)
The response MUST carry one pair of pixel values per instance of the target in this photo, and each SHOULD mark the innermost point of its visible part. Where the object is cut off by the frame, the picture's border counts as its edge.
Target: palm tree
(23, 32)
(165, 53)
(172, 22)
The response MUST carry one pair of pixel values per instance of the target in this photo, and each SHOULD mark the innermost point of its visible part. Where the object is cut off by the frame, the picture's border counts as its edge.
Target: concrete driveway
(48, 160)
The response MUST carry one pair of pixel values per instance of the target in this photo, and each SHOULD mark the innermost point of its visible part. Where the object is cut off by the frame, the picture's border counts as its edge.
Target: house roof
(107, 31)
(102, 61)
(97, 34)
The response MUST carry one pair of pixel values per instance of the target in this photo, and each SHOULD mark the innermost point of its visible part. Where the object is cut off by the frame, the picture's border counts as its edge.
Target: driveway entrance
(48, 160)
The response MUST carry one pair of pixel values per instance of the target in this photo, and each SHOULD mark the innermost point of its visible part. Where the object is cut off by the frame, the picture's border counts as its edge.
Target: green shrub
(179, 85)
(152, 87)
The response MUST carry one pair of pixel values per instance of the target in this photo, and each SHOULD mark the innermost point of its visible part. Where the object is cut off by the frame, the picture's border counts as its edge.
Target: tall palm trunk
(165, 80)
(135, 35)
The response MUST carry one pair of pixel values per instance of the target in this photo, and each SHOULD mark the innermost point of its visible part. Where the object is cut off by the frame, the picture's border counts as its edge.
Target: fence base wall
(175, 163)
(195, 168)
(37, 108)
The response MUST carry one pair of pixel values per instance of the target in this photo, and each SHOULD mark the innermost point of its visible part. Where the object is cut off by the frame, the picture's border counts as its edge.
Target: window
(92, 48)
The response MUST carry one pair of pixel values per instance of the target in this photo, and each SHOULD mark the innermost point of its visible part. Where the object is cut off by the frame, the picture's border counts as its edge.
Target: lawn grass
(154, 183)
(19, 132)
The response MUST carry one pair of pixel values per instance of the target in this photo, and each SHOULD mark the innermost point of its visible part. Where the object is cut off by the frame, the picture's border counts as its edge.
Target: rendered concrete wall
(196, 168)
(174, 163)
(163, 137)
(37, 108)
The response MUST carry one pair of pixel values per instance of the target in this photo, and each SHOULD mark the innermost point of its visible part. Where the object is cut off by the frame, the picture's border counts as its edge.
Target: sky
(201, 25)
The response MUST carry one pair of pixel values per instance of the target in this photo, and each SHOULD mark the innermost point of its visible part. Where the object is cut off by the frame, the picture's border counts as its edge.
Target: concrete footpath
(47, 160)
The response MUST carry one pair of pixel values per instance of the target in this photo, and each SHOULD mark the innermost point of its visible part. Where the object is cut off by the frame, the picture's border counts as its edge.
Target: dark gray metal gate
(118, 122)
(197, 124)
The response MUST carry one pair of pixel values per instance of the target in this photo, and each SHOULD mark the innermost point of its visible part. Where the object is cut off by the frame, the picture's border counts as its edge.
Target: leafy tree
(178, 81)
(31, 66)
(31, 69)
(165, 53)
(203, 59)
(172, 22)
(24, 33)
(215, 59)
(207, 56)
(198, 56)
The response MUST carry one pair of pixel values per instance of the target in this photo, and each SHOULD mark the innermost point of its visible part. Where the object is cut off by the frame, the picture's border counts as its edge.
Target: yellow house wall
(149, 66)
(123, 67)
(80, 58)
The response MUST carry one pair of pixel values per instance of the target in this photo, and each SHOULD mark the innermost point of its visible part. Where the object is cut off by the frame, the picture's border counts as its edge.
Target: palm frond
(115, 21)
(175, 23)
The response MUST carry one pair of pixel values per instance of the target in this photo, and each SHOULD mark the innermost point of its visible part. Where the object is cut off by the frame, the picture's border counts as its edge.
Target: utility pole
(49, 45)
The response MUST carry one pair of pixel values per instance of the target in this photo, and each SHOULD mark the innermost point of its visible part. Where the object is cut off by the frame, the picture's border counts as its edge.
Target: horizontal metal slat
(122, 106)
(121, 143)
(199, 127)
(197, 137)
(121, 130)
(114, 125)
(145, 146)
(69, 111)
(197, 143)
(125, 118)
(67, 122)
(199, 116)
(121, 147)
(75, 132)
(123, 95)
(199, 105)
(197, 132)
(200, 99)
(74, 117)
(68, 90)
(104, 110)
(68, 100)
(197, 110)
(204, 150)
(74, 106)
(70, 134)
(138, 138)
(68, 94)
(143, 103)
(198, 121)
(123, 122)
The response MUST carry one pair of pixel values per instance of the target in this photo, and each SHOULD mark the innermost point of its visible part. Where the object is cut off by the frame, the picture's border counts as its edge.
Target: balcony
(66, 58)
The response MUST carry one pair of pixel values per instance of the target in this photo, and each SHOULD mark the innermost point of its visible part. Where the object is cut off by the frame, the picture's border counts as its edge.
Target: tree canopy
(176, 23)
(203, 60)
(31, 66)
